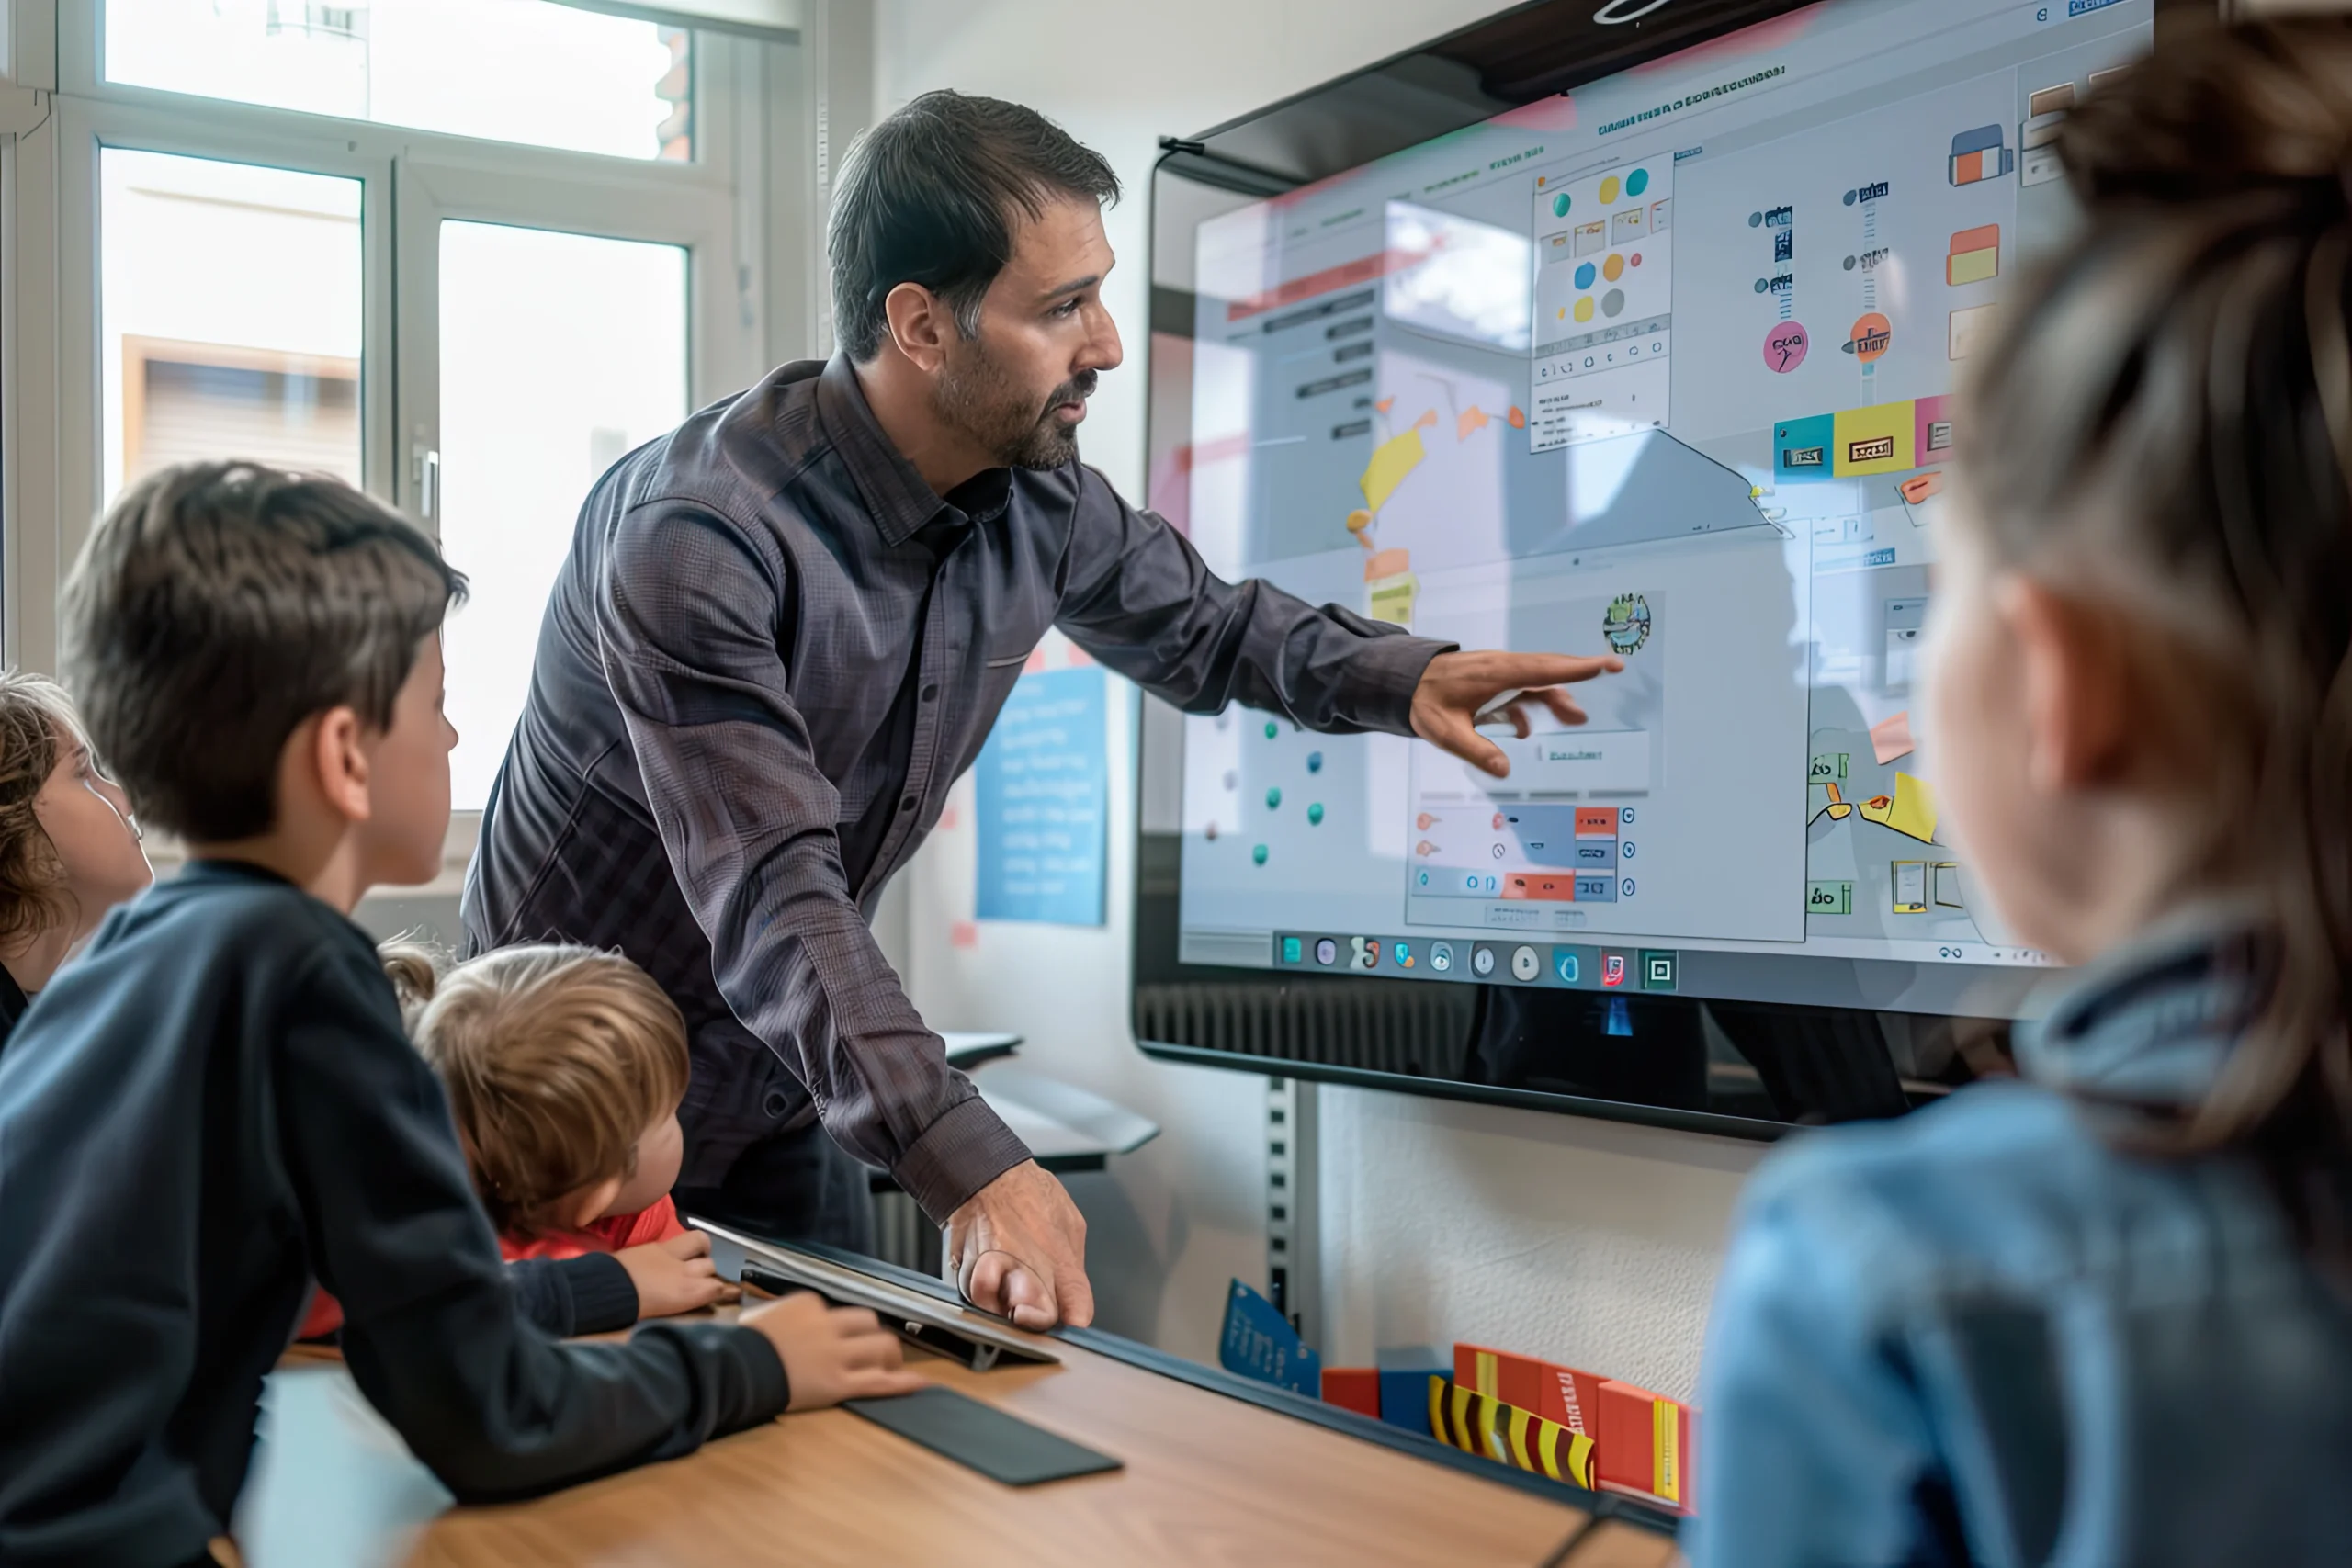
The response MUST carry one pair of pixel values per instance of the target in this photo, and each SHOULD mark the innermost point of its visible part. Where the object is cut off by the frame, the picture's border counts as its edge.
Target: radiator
(1416, 1030)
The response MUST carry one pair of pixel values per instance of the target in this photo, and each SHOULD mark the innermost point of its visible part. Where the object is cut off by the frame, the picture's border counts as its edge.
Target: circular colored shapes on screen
(1258, 854)
(1585, 274)
(1273, 799)
(1633, 260)
(1785, 347)
(1614, 268)
(1609, 190)
(1637, 182)
(1269, 729)
(1314, 761)
(1560, 205)
(1613, 302)
(1872, 334)
(1315, 814)
(1583, 309)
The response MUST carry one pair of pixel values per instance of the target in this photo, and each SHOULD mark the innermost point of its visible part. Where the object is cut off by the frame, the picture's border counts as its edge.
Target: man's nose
(1102, 351)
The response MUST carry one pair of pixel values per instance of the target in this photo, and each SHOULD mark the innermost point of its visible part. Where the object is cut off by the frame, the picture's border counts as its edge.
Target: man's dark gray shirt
(772, 640)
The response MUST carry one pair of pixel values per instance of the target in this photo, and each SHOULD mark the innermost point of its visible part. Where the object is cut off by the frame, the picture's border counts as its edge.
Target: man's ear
(920, 325)
(2074, 680)
(340, 764)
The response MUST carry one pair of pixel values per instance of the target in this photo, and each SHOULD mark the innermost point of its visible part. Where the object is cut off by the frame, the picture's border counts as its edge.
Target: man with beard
(783, 632)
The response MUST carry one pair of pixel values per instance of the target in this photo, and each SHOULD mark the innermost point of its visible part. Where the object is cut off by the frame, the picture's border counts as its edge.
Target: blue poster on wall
(1043, 786)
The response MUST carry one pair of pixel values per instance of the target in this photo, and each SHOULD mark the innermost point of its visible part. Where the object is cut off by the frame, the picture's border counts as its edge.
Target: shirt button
(930, 693)
(908, 803)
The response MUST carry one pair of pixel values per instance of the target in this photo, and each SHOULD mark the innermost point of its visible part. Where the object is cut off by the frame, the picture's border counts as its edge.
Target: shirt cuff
(602, 1296)
(956, 1155)
(1382, 677)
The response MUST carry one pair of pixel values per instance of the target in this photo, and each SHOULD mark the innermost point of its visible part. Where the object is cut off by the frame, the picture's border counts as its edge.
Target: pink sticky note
(1890, 737)
(963, 933)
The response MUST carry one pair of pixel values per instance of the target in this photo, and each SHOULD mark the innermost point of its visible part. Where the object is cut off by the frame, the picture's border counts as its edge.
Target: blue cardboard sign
(1043, 795)
(1259, 1343)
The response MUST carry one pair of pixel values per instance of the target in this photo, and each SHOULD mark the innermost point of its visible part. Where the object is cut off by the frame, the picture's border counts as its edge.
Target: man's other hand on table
(1017, 1248)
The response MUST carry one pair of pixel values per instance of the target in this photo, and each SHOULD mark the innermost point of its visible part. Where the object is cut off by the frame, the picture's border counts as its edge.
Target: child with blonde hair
(564, 1067)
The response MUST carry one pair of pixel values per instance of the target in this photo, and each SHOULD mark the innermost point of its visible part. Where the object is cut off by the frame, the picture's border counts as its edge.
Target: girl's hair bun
(2224, 112)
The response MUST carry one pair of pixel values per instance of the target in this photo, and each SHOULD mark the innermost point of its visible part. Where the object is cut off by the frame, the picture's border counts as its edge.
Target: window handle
(425, 475)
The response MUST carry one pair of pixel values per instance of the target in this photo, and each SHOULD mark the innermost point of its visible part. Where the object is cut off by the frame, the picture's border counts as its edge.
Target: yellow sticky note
(1910, 810)
(1391, 461)
(1874, 440)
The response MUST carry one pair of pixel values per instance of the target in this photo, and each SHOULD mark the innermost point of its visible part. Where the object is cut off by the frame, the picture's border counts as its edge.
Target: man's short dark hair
(928, 197)
(217, 605)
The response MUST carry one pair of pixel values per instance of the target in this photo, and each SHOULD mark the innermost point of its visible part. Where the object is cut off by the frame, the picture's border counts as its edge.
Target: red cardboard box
(1514, 1380)
(1557, 1393)
(1352, 1388)
(1646, 1445)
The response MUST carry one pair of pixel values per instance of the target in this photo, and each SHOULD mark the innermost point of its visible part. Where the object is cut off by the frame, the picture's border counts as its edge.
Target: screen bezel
(1528, 52)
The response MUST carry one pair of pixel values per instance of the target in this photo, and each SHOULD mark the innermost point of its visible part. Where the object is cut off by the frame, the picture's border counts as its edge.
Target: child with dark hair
(217, 1102)
(69, 846)
(2105, 1316)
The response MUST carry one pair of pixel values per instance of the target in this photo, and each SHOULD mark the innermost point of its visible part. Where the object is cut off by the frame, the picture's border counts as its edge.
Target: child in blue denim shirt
(2105, 1315)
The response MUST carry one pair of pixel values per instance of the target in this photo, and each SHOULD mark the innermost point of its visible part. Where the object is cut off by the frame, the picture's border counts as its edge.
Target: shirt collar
(2154, 1023)
(896, 494)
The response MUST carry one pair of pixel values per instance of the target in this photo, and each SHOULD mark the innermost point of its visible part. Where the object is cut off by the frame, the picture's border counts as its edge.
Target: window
(532, 411)
(598, 227)
(231, 315)
(524, 71)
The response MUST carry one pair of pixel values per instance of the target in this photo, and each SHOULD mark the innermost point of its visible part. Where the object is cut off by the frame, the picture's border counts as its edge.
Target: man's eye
(1067, 308)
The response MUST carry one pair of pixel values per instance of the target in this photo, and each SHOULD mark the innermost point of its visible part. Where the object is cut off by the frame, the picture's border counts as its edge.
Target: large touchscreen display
(1661, 367)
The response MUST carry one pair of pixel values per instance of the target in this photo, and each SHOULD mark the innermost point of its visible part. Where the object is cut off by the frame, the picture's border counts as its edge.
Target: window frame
(747, 191)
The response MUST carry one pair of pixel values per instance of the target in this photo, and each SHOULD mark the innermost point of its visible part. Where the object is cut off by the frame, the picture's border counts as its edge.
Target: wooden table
(1210, 1478)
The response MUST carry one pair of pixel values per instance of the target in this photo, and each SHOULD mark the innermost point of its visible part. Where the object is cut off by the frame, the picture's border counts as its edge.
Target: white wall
(1590, 1242)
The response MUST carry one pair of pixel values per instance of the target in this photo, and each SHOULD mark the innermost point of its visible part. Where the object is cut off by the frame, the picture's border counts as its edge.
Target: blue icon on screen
(1564, 965)
(1441, 957)
(1628, 888)
(1403, 951)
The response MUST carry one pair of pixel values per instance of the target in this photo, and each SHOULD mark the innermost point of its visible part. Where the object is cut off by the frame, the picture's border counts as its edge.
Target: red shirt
(658, 1222)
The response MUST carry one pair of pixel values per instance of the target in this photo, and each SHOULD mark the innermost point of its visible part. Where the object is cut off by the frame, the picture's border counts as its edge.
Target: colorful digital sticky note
(1910, 810)
(1932, 421)
(1260, 1343)
(1977, 154)
(1890, 737)
(1391, 461)
(1873, 440)
(1352, 1388)
(1974, 257)
(1801, 447)
(1968, 328)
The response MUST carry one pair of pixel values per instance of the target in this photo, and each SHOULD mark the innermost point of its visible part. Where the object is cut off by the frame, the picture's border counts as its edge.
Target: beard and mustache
(977, 397)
